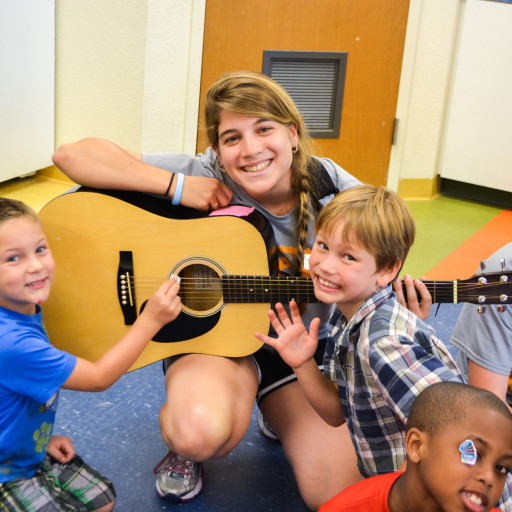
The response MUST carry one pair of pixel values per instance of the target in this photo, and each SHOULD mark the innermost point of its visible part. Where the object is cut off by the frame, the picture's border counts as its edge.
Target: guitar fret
(261, 289)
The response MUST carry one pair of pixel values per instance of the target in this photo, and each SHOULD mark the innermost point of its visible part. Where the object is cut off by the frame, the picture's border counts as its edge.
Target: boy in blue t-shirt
(36, 468)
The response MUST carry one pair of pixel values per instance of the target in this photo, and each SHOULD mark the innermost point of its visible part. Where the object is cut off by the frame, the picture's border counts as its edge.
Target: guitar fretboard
(257, 289)
(441, 291)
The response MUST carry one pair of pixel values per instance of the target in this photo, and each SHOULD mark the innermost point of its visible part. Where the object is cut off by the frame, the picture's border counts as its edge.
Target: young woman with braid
(259, 157)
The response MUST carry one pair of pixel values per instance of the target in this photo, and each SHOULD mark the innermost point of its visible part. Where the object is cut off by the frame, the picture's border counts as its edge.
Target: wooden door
(371, 31)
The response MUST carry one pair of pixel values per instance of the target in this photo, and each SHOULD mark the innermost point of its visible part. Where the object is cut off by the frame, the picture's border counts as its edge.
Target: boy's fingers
(282, 315)
(313, 328)
(265, 339)
(397, 285)
(276, 324)
(295, 312)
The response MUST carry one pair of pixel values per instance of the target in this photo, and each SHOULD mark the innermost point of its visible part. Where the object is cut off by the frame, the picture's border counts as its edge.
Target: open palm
(294, 343)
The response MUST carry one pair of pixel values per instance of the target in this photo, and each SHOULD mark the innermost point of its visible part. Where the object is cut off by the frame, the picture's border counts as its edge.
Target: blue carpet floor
(117, 433)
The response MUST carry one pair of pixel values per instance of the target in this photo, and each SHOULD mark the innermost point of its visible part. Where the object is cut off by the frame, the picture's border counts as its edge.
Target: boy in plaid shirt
(379, 355)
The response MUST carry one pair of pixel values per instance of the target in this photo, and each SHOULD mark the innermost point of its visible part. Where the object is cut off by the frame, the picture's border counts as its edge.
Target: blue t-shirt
(31, 373)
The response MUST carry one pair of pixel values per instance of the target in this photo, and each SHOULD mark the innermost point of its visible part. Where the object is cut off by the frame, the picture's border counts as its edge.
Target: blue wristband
(179, 189)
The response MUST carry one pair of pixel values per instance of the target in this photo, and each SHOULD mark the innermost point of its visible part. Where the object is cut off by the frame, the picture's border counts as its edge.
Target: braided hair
(255, 94)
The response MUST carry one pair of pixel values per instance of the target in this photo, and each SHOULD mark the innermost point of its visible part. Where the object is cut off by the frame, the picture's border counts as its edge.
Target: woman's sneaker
(178, 479)
(265, 428)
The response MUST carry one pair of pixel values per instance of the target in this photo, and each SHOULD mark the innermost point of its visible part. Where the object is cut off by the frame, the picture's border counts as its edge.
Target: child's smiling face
(27, 269)
(454, 485)
(344, 272)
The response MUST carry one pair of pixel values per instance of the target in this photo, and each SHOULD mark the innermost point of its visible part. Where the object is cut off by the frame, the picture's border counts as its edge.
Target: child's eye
(503, 470)
(265, 129)
(13, 258)
(349, 257)
(41, 248)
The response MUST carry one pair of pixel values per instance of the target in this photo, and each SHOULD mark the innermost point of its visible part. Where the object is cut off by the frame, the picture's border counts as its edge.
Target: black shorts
(273, 372)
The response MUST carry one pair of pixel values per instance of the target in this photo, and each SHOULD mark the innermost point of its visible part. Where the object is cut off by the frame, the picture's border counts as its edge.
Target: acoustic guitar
(114, 249)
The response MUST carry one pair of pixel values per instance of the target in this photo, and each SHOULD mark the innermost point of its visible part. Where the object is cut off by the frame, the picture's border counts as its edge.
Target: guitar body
(88, 232)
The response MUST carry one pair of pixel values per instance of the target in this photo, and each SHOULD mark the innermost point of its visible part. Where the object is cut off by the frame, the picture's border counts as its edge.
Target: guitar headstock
(487, 288)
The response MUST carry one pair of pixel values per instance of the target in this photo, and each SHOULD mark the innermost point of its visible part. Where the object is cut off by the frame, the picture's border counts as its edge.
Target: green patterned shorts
(73, 486)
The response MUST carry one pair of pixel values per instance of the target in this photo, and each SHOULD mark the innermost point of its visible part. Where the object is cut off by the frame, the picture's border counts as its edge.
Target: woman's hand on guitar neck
(421, 308)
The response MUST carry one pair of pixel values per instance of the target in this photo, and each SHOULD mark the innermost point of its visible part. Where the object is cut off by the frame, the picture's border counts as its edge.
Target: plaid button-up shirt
(381, 360)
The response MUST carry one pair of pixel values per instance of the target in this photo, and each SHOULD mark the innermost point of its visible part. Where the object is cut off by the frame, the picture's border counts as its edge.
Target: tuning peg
(501, 308)
(481, 309)
(482, 266)
(502, 263)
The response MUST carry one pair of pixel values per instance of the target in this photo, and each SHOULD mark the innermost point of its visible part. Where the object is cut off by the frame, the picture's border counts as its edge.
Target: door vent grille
(315, 81)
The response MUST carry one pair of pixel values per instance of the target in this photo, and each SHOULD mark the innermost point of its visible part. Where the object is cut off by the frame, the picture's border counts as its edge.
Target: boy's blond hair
(378, 219)
(13, 209)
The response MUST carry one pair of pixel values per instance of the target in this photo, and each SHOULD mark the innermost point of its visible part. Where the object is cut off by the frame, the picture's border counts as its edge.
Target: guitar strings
(256, 284)
(304, 281)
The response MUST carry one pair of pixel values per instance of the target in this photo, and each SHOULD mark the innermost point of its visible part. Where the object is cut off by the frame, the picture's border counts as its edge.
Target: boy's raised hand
(294, 343)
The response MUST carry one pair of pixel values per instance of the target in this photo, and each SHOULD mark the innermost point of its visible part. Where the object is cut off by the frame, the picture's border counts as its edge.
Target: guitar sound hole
(200, 287)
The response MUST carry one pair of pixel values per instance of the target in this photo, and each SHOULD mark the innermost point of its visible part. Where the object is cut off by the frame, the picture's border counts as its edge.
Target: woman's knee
(196, 433)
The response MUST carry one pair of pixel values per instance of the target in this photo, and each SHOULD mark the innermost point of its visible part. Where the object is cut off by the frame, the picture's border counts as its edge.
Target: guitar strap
(322, 187)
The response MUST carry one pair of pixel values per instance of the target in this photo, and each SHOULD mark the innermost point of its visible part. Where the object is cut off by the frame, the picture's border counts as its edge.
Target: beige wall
(424, 87)
(129, 71)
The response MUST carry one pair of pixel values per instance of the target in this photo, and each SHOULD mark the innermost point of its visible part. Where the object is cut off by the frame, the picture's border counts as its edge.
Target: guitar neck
(442, 292)
(257, 289)
(490, 288)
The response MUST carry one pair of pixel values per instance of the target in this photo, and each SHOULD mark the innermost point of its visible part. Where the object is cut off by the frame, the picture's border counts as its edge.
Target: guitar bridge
(126, 287)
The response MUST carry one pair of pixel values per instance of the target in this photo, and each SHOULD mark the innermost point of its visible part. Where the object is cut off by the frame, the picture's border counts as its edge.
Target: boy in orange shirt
(459, 453)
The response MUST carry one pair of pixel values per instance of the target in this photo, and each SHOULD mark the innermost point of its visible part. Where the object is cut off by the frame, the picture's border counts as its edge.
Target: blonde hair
(253, 94)
(377, 217)
(13, 209)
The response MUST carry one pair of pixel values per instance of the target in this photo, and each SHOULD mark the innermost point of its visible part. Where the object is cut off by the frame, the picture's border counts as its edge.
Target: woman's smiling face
(257, 154)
